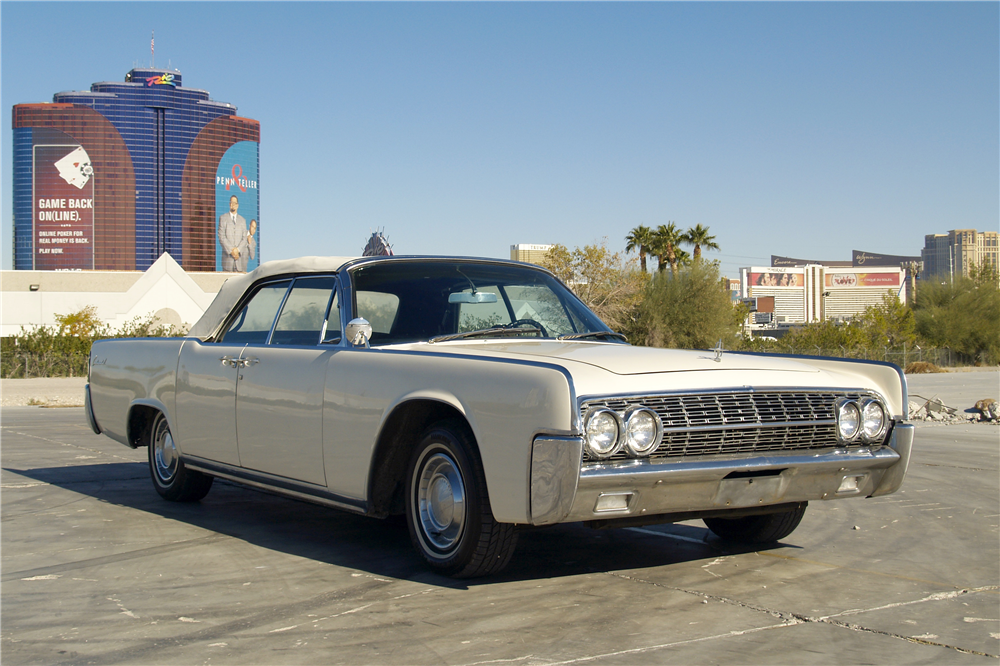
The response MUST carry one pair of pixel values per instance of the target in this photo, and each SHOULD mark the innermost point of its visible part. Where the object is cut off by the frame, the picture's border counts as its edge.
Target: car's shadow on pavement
(382, 547)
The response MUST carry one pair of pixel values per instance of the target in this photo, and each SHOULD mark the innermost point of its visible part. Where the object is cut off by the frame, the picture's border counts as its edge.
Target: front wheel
(447, 509)
(172, 480)
(764, 528)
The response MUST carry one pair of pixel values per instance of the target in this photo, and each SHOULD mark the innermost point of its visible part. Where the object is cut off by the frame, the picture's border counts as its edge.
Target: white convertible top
(233, 288)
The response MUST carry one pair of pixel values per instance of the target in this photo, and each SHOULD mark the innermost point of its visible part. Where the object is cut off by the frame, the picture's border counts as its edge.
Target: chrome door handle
(247, 362)
(230, 361)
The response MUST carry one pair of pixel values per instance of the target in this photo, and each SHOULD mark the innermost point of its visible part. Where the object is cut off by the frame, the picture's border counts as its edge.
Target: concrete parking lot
(97, 569)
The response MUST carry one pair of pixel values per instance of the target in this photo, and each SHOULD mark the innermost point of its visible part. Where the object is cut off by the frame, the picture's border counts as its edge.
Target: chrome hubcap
(164, 453)
(441, 502)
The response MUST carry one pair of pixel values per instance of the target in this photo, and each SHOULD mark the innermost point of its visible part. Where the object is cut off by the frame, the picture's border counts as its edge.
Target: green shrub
(690, 309)
(45, 351)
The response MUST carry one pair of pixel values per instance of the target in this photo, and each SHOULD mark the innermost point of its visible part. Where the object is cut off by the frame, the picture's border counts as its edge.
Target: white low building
(175, 297)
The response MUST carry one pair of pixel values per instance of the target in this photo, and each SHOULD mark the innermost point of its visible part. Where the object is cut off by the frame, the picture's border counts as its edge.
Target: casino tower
(112, 178)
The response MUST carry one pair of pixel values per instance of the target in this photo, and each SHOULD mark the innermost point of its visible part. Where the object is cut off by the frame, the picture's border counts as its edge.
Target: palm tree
(667, 237)
(641, 240)
(683, 258)
(699, 237)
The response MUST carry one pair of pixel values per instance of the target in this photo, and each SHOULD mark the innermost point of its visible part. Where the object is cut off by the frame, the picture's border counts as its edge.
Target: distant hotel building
(532, 254)
(954, 253)
(815, 292)
(800, 291)
(112, 178)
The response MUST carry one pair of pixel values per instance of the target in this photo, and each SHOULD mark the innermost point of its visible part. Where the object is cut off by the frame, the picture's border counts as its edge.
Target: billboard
(777, 277)
(860, 258)
(852, 280)
(62, 207)
(789, 262)
(237, 247)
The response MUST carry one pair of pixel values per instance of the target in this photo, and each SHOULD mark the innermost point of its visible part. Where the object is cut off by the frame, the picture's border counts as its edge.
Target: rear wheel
(172, 480)
(763, 528)
(447, 509)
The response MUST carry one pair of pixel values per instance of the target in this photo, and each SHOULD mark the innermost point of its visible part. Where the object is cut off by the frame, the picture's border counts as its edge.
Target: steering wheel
(532, 322)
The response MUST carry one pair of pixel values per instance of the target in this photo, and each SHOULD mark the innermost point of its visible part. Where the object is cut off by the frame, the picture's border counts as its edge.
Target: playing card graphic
(75, 168)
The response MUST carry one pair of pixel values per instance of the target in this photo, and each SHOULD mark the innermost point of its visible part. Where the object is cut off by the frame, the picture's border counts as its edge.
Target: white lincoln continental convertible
(475, 396)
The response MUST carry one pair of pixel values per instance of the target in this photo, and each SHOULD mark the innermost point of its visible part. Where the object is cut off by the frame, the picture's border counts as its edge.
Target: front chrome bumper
(563, 492)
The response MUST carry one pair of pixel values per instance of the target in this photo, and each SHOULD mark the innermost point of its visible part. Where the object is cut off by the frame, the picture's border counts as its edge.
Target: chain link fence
(902, 356)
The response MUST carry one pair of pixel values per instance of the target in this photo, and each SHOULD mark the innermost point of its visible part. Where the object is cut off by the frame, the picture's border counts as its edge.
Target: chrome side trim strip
(277, 485)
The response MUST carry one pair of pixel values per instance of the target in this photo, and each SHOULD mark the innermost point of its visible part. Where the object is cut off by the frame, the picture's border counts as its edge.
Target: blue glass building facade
(150, 192)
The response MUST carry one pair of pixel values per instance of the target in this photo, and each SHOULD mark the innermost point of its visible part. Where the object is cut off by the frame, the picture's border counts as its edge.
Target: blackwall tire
(172, 480)
(764, 528)
(448, 512)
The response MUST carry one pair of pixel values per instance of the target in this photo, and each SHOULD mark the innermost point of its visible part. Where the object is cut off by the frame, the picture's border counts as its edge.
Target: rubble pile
(932, 409)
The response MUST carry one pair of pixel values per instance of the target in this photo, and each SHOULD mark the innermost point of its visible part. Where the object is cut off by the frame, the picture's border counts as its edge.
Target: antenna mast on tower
(152, 51)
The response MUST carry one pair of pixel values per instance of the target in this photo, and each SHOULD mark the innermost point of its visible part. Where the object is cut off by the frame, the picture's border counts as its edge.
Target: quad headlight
(607, 432)
(861, 420)
(873, 421)
(642, 431)
(602, 433)
(848, 420)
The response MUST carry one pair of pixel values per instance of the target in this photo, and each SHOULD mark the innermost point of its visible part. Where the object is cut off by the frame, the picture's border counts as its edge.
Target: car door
(207, 374)
(279, 396)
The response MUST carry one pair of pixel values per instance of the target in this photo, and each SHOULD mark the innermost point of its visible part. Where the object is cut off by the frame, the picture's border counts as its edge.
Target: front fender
(440, 396)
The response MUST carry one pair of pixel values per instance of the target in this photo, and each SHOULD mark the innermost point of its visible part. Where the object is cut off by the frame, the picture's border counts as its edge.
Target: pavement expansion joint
(792, 619)
(908, 639)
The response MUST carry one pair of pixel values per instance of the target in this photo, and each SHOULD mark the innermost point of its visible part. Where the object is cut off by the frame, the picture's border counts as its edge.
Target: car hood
(601, 368)
(623, 359)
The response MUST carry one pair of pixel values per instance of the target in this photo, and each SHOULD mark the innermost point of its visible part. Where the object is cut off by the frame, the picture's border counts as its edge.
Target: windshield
(408, 301)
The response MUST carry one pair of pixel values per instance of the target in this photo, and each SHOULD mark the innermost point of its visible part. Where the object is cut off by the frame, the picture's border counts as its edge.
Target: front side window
(253, 322)
(302, 316)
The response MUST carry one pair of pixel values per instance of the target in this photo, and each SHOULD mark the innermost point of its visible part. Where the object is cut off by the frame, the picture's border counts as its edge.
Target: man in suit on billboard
(233, 237)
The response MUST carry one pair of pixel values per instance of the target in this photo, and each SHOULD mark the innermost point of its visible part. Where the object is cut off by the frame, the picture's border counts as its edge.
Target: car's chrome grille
(705, 424)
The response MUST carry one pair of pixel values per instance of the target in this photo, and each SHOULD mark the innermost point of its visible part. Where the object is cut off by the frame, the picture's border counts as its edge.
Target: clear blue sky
(798, 129)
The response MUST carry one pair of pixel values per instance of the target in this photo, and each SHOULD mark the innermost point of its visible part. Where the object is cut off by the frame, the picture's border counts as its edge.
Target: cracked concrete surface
(97, 569)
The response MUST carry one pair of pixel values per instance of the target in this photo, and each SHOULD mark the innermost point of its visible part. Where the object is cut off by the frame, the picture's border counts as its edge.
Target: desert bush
(921, 368)
(689, 309)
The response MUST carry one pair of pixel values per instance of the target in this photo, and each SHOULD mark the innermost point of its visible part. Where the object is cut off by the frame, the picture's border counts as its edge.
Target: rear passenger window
(254, 321)
(301, 318)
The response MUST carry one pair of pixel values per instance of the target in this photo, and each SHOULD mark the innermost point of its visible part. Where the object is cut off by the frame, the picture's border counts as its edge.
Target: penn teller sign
(63, 208)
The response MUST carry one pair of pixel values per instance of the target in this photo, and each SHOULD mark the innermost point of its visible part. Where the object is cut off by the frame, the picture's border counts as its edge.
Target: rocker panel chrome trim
(278, 485)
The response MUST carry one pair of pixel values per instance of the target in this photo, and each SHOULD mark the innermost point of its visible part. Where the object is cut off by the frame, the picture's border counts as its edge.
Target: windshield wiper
(593, 334)
(496, 330)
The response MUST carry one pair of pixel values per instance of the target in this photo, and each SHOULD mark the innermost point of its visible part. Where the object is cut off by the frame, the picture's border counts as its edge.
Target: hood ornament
(718, 352)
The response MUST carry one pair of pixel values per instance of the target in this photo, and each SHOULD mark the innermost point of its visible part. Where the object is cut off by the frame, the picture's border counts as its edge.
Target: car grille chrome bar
(736, 422)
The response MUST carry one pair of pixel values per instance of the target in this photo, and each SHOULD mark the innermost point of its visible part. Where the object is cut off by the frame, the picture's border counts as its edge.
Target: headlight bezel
(845, 408)
(595, 453)
(631, 414)
(855, 408)
(877, 435)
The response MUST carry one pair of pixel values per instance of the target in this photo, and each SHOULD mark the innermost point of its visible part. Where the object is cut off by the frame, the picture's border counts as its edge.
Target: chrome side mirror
(358, 332)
